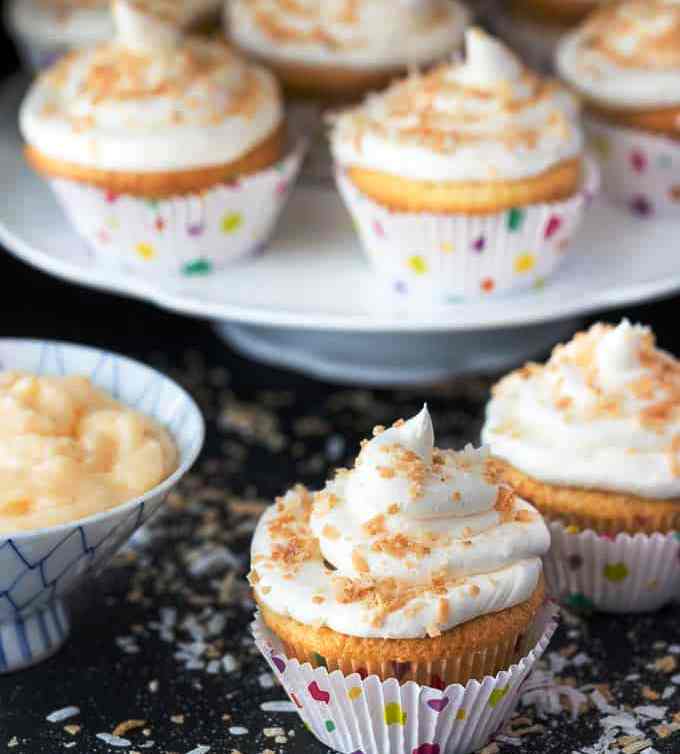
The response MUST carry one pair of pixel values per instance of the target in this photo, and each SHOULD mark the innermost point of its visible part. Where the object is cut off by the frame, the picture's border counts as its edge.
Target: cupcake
(46, 29)
(410, 567)
(327, 52)
(625, 63)
(592, 439)
(467, 180)
(167, 151)
(330, 50)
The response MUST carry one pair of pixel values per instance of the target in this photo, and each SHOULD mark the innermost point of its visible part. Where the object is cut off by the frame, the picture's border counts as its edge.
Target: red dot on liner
(638, 160)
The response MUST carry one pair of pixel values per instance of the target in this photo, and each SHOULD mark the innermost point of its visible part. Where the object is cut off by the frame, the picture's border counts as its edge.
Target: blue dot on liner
(400, 287)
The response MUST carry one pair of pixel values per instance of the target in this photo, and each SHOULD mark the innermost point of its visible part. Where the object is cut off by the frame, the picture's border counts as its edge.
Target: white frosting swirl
(151, 100)
(73, 23)
(626, 55)
(603, 413)
(77, 23)
(488, 118)
(411, 542)
(347, 33)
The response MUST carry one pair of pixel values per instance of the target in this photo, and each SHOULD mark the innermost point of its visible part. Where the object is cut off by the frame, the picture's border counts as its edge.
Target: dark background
(253, 457)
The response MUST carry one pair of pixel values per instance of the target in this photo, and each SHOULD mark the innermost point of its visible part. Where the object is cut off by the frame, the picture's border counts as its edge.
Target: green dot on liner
(319, 660)
(515, 218)
(580, 602)
(330, 726)
(197, 267)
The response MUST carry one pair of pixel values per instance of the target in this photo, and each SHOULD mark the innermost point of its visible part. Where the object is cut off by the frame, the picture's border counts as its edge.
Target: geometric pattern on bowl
(39, 568)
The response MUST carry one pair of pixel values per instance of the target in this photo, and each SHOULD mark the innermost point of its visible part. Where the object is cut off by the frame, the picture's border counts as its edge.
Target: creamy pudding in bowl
(68, 449)
(91, 443)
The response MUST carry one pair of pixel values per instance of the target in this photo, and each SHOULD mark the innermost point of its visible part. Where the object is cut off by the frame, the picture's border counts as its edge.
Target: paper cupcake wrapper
(364, 715)
(449, 257)
(187, 235)
(617, 574)
(639, 170)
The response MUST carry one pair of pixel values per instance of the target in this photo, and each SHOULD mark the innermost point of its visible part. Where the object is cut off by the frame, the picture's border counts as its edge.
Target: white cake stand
(312, 304)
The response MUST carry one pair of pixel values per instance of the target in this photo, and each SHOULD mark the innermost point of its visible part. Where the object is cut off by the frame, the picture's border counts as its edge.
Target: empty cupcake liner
(617, 574)
(358, 714)
(189, 235)
(449, 257)
(640, 171)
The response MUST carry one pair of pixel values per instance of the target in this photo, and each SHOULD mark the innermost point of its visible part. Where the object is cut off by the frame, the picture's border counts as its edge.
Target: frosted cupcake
(46, 29)
(340, 49)
(167, 151)
(412, 566)
(592, 439)
(625, 62)
(467, 180)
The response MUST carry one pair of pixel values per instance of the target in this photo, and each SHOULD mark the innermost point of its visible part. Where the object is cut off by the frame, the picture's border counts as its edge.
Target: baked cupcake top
(152, 99)
(369, 34)
(488, 118)
(626, 55)
(603, 413)
(409, 543)
(68, 22)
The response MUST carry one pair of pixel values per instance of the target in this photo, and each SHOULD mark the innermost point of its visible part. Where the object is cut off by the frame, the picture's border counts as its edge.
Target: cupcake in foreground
(467, 180)
(535, 27)
(592, 439)
(46, 29)
(625, 62)
(411, 566)
(167, 151)
(339, 49)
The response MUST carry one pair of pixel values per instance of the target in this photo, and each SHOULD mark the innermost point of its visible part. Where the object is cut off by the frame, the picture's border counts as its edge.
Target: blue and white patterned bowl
(38, 569)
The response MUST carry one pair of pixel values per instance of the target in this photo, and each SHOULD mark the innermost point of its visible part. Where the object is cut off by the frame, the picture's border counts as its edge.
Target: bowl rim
(160, 489)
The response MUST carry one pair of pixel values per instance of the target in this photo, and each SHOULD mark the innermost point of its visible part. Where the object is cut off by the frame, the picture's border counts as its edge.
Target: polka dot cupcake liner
(188, 236)
(450, 257)
(640, 171)
(358, 714)
(586, 570)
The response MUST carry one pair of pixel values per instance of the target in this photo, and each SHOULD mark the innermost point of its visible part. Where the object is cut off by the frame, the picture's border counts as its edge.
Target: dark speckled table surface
(160, 641)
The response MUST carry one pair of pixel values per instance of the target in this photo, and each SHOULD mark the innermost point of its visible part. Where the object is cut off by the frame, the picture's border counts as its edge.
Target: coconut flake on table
(115, 741)
(60, 715)
(282, 705)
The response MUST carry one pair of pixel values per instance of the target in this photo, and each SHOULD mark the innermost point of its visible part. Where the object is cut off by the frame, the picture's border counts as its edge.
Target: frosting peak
(382, 547)
(148, 25)
(488, 63)
(603, 413)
